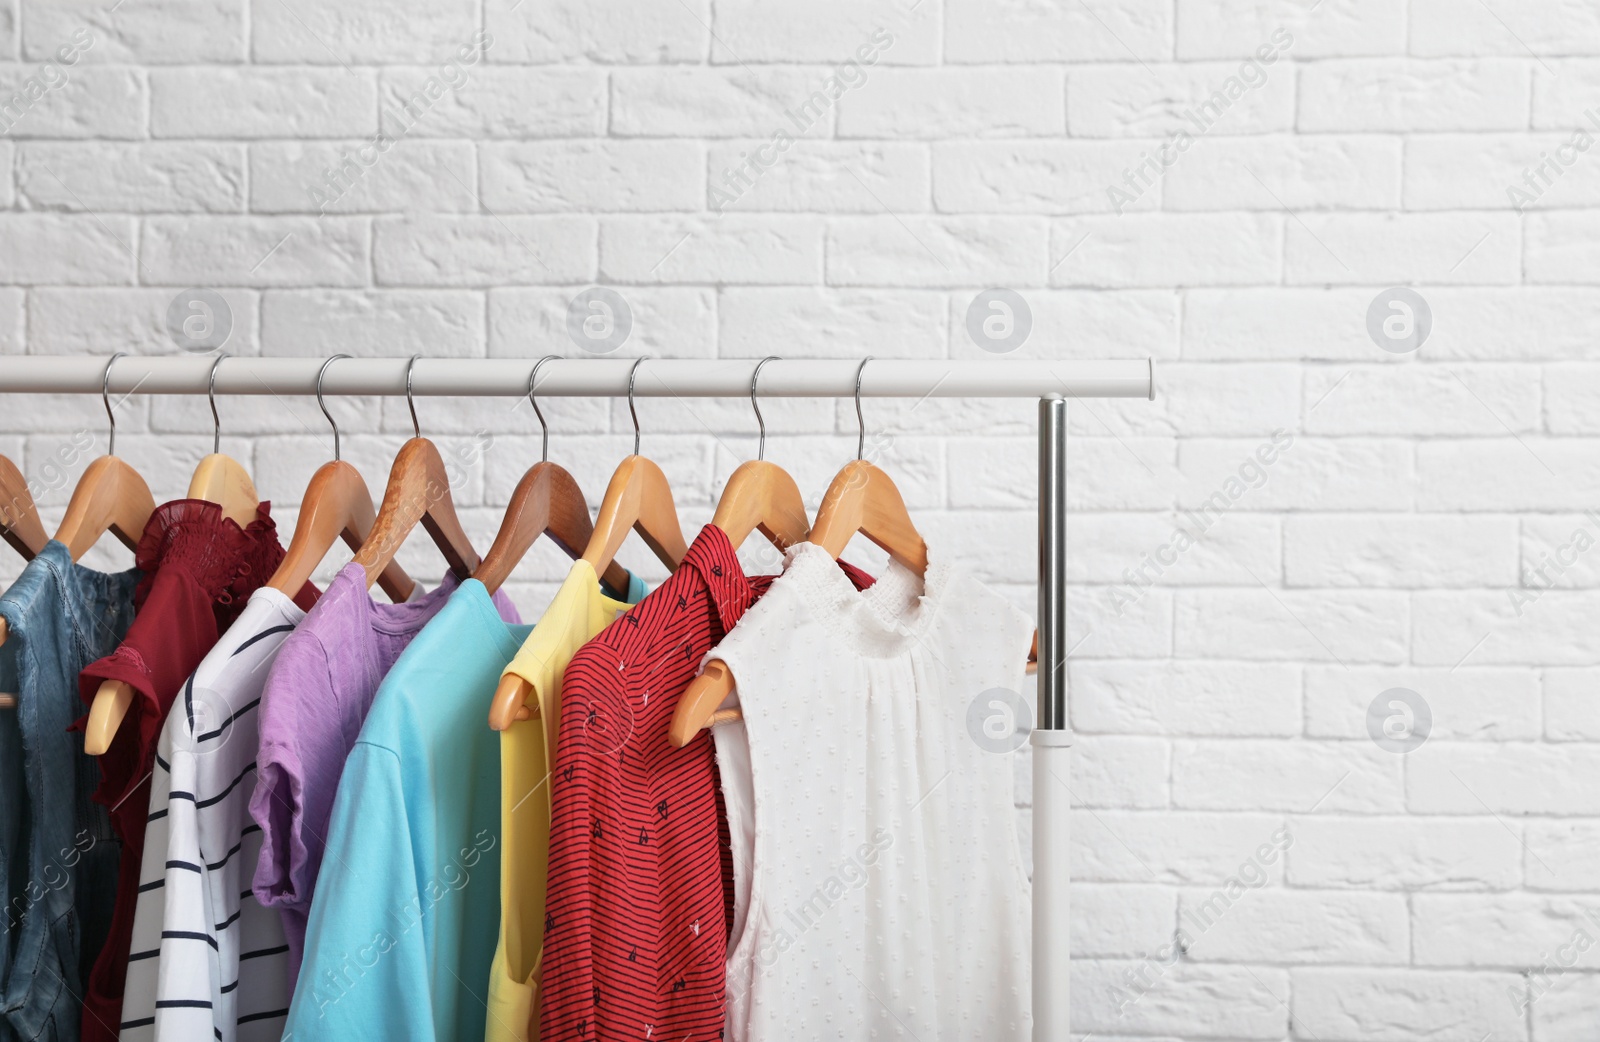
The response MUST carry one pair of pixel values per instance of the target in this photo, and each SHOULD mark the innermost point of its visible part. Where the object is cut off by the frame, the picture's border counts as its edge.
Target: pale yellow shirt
(579, 611)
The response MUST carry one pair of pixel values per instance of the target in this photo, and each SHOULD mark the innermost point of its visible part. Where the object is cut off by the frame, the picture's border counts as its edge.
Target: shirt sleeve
(528, 663)
(365, 973)
(566, 1003)
(297, 704)
(170, 635)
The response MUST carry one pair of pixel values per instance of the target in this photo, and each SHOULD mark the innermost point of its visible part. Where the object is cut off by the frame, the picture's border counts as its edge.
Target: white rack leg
(1052, 897)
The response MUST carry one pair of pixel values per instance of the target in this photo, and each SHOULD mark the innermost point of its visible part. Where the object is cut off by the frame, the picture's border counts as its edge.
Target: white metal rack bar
(1052, 382)
(582, 377)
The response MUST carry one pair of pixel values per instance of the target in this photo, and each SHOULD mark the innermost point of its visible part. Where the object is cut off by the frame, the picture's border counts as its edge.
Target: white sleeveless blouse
(880, 891)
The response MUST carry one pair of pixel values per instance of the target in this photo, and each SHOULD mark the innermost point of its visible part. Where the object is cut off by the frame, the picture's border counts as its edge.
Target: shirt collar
(712, 557)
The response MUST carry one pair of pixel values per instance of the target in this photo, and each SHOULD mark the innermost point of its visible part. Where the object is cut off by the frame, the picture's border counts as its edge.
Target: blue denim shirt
(58, 857)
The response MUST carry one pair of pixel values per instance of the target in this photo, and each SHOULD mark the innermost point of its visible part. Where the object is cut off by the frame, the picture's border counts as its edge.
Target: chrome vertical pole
(1052, 744)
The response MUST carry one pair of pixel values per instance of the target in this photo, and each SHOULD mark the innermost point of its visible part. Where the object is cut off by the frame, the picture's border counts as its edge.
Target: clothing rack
(1051, 382)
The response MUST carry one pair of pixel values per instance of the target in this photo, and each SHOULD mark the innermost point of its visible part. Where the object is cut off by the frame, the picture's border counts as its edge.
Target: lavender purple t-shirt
(312, 708)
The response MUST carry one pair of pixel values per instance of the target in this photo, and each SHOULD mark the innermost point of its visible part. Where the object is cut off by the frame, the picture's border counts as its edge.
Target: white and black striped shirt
(208, 961)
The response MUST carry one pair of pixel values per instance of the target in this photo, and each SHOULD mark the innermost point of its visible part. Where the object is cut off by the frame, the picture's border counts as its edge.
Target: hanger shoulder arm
(617, 512)
(440, 519)
(700, 703)
(566, 511)
(324, 511)
(511, 703)
(19, 515)
(517, 533)
(403, 504)
(658, 523)
(134, 505)
(106, 713)
(569, 526)
(840, 516)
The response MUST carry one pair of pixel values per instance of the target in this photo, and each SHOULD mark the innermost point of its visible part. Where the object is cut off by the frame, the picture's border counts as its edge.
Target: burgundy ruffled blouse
(199, 569)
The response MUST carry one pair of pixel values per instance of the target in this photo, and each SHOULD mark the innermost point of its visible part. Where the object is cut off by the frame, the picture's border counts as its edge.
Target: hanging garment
(200, 568)
(887, 896)
(639, 887)
(58, 859)
(208, 961)
(401, 935)
(317, 694)
(580, 609)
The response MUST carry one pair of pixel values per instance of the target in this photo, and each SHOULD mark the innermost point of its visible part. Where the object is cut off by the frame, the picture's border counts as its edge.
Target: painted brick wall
(1320, 523)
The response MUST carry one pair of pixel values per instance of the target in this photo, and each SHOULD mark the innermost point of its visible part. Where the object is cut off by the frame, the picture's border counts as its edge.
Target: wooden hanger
(337, 505)
(19, 515)
(861, 498)
(110, 497)
(222, 479)
(418, 491)
(218, 479)
(547, 501)
(639, 499)
(761, 495)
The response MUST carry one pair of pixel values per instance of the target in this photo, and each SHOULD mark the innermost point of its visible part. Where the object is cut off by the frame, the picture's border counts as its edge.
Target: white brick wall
(1425, 529)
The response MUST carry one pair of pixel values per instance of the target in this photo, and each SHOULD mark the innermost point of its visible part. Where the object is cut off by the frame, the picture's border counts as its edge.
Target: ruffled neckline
(883, 621)
(227, 561)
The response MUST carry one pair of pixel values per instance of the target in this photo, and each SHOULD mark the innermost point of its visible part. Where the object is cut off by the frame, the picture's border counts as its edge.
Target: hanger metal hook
(211, 394)
(105, 399)
(415, 426)
(631, 410)
(761, 446)
(324, 405)
(533, 378)
(861, 425)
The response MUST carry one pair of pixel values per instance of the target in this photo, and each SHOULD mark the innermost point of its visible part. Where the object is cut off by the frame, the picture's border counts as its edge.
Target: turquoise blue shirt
(407, 909)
